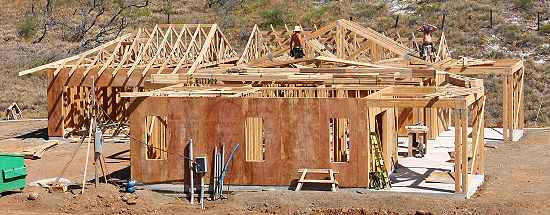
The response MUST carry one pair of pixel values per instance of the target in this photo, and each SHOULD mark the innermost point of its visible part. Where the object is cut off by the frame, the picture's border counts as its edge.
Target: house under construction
(180, 82)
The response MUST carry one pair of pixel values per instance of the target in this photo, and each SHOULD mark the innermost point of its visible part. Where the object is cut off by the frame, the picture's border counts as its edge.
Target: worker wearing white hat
(297, 43)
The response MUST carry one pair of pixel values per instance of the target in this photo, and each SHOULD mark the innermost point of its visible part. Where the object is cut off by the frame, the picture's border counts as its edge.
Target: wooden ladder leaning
(331, 181)
(379, 178)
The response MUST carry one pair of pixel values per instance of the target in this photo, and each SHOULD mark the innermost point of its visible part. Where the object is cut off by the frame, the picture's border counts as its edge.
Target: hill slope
(73, 26)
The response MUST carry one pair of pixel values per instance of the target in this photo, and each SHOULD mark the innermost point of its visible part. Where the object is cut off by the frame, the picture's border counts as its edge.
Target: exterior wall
(296, 132)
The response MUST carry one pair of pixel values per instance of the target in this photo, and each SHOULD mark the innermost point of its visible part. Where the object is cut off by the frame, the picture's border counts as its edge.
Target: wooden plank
(204, 49)
(464, 152)
(131, 49)
(143, 51)
(477, 135)
(507, 109)
(316, 181)
(355, 63)
(57, 64)
(457, 114)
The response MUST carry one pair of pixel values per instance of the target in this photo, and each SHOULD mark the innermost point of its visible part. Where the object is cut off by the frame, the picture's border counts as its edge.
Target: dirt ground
(517, 178)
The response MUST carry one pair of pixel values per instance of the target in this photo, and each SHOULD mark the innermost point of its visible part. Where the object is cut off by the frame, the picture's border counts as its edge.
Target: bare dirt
(517, 178)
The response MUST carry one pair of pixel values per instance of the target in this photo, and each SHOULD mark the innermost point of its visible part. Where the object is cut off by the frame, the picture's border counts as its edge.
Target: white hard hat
(297, 28)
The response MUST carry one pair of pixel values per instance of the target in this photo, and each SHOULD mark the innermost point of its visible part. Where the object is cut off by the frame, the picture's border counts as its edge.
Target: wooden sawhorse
(331, 181)
(414, 132)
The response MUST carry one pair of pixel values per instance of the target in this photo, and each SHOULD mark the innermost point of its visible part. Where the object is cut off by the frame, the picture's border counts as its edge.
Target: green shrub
(26, 28)
(523, 3)
(315, 15)
(275, 17)
(545, 28)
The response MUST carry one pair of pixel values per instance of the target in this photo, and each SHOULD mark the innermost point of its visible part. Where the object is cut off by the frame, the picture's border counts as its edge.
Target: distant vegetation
(26, 27)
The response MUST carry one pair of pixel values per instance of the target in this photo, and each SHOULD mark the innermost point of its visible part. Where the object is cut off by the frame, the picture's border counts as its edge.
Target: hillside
(73, 26)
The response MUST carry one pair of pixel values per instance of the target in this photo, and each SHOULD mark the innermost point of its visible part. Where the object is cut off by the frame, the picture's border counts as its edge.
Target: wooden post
(510, 111)
(464, 153)
(521, 103)
(478, 139)
(457, 115)
(92, 124)
(443, 21)
(339, 40)
(491, 18)
(538, 20)
(191, 173)
(396, 21)
(481, 163)
(507, 108)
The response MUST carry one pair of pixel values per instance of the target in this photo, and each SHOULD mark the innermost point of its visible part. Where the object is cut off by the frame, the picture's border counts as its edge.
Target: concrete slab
(409, 175)
(494, 135)
(411, 172)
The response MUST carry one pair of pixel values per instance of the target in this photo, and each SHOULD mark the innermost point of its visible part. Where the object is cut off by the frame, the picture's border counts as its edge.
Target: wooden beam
(204, 49)
(128, 52)
(457, 115)
(143, 51)
(57, 64)
(464, 152)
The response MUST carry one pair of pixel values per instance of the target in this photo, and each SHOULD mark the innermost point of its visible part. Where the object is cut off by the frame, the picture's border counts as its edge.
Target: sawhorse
(331, 181)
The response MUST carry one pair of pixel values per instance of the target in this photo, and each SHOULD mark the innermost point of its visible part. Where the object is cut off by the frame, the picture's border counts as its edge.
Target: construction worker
(427, 43)
(297, 43)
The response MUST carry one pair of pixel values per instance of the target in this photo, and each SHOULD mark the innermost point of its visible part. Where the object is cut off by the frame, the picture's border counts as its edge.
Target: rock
(127, 197)
(32, 196)
(99, 196)
(76, 191)
(131, 201)
(47, 181)
(420, 213)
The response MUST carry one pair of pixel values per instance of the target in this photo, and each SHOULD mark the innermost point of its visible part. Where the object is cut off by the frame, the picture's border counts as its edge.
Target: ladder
(379, 179)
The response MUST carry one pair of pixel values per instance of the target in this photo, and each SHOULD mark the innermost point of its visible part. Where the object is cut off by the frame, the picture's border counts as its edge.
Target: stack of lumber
(37, 152)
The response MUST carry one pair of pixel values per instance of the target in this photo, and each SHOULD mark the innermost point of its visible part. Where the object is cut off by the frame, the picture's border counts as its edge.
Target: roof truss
(165, 49)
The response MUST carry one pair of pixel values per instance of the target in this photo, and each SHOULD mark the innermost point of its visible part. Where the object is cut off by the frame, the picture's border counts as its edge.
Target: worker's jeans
(297, 52)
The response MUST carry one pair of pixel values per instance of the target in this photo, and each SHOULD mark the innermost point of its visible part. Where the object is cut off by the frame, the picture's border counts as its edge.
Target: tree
(91, 21)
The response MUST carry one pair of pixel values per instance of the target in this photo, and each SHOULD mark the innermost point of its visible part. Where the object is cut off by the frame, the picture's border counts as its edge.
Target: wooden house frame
(185, 81)
(123, 65)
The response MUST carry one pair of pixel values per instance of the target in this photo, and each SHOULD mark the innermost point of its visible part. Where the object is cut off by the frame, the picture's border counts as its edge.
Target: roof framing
(165, 49)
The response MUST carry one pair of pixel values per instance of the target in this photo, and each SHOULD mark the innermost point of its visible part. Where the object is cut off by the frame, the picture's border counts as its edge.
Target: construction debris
(13, 112)
(32, 196)
(49, 181)
(37, 152)
(58, 188)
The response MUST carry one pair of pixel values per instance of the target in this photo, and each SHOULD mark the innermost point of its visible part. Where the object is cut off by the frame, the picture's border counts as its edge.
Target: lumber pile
(37, 152)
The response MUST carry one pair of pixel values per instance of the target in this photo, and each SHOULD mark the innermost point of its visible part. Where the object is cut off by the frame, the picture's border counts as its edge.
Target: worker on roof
(297, 43)
(427, 48)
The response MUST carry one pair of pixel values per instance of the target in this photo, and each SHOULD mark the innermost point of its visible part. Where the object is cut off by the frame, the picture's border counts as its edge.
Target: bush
(523, 3)
(26, 28)
(276, 17)
(545, 28)
(316, 15)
